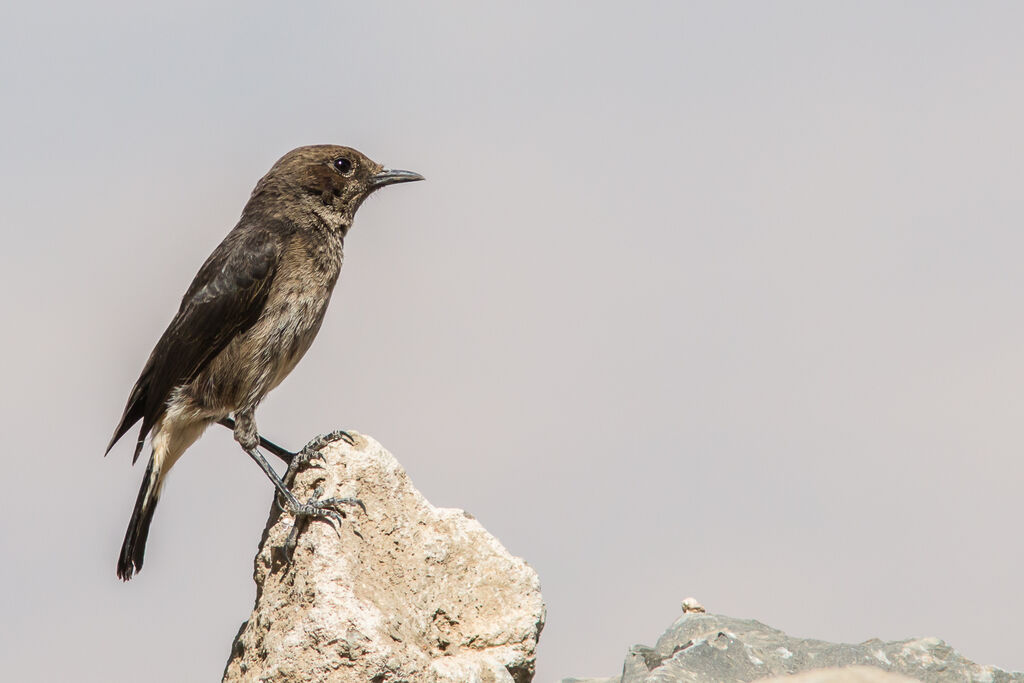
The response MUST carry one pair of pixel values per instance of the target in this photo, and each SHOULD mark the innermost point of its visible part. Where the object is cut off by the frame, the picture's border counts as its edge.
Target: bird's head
(328, 181)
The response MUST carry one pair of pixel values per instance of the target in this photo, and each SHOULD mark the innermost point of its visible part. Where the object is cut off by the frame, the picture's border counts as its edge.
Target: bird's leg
(308, 451)
(269, 446)
(246, 435)
(293, 535)
(310, 509)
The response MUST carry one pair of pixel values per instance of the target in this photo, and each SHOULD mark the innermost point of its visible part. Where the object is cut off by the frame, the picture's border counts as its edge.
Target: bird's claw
(319, 442)
(311, 451)
(348, 500)
(316, 508)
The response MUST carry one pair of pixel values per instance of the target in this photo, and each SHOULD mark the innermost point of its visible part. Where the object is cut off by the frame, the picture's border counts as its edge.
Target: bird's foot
(311, 451)
(319, 442)
(316, 508)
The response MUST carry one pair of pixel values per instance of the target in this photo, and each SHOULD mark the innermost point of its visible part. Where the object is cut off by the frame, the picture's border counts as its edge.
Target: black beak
(389, 177)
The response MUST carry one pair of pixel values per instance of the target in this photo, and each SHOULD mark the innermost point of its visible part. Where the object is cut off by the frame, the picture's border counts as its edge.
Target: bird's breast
(296, 308)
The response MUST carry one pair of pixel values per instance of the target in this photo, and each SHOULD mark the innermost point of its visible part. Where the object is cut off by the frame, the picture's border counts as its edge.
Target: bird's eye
(343, 165)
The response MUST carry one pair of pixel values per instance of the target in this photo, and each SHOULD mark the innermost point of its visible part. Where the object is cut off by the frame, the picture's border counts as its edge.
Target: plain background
(711, 299)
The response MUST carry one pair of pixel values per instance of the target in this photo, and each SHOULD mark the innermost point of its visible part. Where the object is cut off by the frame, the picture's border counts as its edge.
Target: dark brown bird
(248, 317)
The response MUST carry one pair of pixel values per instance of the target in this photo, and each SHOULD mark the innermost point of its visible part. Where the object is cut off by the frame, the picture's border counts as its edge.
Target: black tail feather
(134, 546)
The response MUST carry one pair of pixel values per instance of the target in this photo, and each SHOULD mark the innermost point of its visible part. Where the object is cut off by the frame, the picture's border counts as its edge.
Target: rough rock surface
(405, 592)
(848, 674)
(707, 648)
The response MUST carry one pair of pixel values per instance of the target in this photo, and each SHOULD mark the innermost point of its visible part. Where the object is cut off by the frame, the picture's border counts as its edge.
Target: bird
(250, 314)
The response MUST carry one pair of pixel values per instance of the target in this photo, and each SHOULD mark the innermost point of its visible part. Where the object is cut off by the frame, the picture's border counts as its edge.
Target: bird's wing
(224, 300)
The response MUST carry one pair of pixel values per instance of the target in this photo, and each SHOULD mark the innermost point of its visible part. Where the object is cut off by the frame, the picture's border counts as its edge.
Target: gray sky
(714, 299)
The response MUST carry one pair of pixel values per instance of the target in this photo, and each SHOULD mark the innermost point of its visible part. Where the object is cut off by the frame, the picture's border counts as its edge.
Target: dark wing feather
(224, 300)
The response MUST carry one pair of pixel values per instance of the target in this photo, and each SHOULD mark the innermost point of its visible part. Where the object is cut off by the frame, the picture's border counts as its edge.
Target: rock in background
(708, 648)
(406, 592)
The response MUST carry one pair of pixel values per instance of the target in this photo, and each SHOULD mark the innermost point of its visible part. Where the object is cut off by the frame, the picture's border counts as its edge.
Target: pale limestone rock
(406, 592)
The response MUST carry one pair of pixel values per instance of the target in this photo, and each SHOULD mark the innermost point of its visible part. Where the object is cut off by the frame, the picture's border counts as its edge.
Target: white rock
(406, 592)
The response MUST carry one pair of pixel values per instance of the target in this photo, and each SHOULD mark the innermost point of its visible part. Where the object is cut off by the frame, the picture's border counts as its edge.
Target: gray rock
(848, 674)
(405, 592)
(708, 648)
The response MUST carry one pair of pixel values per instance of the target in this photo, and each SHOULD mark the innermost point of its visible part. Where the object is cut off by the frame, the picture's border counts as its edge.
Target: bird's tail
(134, 546)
